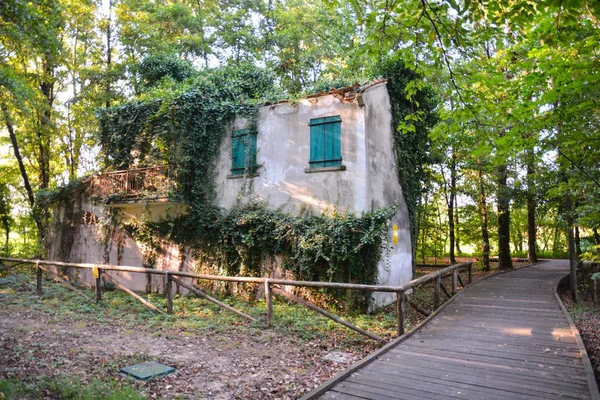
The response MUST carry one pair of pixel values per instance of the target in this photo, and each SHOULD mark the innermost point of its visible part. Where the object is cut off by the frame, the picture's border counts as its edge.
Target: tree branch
(447, 62)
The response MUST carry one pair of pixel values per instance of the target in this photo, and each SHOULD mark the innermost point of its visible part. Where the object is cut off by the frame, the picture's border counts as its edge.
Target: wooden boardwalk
(505, 337)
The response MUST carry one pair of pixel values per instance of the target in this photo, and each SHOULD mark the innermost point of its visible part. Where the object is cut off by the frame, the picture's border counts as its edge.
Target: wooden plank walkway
(505, 337)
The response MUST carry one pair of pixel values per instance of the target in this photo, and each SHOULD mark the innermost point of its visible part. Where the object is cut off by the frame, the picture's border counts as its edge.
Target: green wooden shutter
(243, 151)
(317, 146)
(238, 153)
(325, 142)
(252, 150)
(332, 133)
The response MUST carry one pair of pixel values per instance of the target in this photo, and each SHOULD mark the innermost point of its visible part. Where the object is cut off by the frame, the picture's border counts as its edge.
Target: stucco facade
(366, 181)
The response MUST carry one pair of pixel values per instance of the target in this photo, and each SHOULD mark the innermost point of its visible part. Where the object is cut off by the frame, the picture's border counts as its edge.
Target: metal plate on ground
(147, 370)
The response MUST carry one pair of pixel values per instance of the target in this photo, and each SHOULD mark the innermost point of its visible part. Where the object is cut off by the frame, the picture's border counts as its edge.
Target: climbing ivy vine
(414, 113)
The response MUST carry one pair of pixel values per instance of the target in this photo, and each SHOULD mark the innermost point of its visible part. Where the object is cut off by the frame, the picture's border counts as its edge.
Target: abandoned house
(329, 149)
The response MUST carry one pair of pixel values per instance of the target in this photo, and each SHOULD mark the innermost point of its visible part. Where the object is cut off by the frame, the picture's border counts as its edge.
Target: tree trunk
(456, 224)
(504, 258)
(596, 238)
(568, 209)
(45, 127)
(556, 241)
(568, 213)
(450, 204)
(531, 206)
(17, 151)
(577, 242)
(6, 241)
(423, 228)
(108, 53)
(15, 145)
(484, 221)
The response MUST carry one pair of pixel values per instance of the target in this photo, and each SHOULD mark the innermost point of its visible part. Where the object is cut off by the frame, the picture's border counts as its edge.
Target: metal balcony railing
(133, 184)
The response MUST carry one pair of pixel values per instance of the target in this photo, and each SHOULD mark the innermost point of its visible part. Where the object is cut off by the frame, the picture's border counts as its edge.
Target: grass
(67, 388)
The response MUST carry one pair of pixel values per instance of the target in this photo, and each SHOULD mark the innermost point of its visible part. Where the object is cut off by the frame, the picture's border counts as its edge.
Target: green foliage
(156, 67)
(336, 246)
(68, 388)
(60, 195)
(184, 126)
(324, 85)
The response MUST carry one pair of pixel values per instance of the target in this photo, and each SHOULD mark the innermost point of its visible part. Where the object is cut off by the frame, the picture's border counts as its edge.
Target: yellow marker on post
(395, 234)
(95, 272)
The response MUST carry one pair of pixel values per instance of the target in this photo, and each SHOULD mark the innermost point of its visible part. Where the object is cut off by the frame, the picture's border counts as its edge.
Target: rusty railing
(151, 182)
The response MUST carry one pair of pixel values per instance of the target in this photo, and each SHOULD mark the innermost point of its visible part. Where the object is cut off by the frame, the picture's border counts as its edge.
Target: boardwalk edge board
(587, 365)
(328, 384)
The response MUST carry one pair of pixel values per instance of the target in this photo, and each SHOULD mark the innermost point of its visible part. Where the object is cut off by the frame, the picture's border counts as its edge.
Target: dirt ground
(264, 364)
(586, 316)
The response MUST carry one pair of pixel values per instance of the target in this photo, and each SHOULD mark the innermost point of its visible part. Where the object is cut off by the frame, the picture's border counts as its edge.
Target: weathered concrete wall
(95, 239)
(283, 150)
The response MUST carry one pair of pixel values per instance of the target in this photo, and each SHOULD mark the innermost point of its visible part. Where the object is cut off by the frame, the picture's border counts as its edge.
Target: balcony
(158, 184)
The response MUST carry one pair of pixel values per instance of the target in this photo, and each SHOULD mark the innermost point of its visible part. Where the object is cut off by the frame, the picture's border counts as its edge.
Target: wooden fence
(272, 286)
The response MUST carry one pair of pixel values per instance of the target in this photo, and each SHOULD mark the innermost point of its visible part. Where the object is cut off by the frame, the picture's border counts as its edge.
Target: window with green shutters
(243, 151)
(325, 142)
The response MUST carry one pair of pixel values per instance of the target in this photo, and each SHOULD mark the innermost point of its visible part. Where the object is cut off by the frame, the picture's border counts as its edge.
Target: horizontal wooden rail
(432, 265)
(400, 291)
(122, 171)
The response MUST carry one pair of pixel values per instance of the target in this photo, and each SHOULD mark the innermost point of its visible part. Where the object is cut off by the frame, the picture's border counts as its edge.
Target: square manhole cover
(147, 370)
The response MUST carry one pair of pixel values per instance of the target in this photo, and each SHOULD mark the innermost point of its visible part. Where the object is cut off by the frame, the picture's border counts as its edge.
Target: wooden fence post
(126, 182)
(169, 290)
(98, 286)
(269, 301)
(470, 268)
(400, 311)
(454, 281)
(436, 292)
(39, 278)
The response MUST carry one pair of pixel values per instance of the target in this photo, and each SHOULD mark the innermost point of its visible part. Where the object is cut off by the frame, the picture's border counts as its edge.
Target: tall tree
(29, 58)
